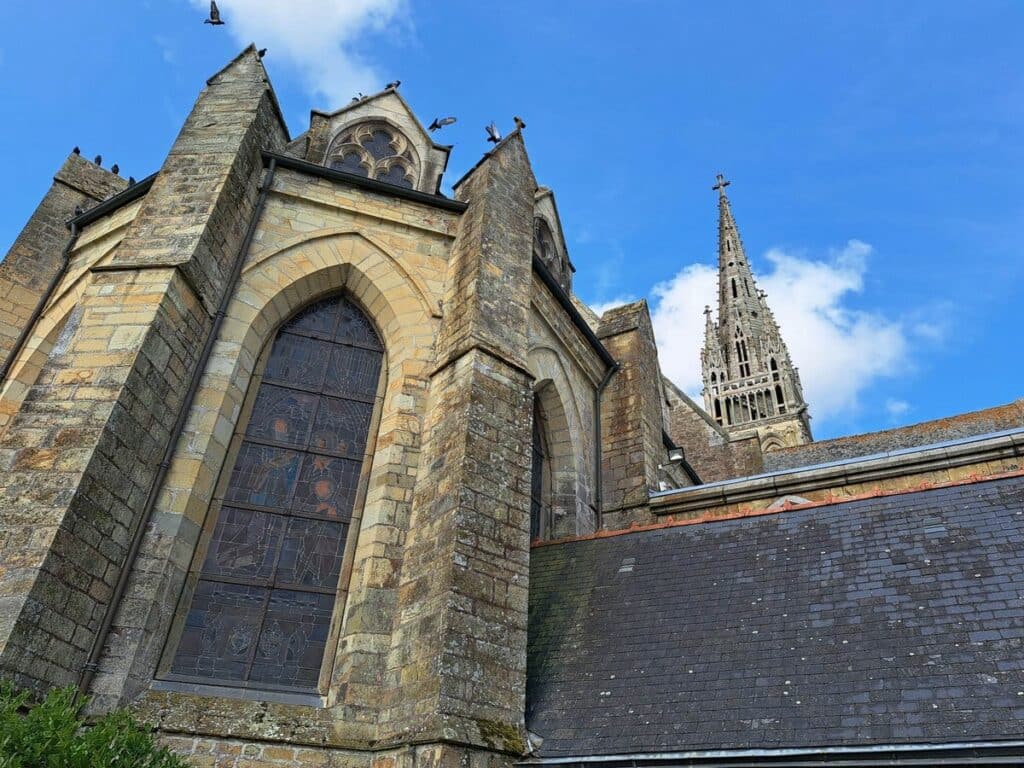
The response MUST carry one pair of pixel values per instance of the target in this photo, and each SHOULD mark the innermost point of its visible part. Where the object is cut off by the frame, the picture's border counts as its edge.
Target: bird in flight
(440, 122)
(214, 15)
(493, 135)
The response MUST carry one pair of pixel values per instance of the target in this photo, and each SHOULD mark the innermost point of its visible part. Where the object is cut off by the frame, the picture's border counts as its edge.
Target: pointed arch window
(540, 476)
(265, 582)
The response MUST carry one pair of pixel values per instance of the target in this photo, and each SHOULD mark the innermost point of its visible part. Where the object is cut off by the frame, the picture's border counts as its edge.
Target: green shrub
(53, 734)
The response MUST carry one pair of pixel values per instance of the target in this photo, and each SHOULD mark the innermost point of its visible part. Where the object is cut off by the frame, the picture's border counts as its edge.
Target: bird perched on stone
(519, 123)
(261, 52)
(131, 181)
(79, 210)
(493, 135)
(392, 85)
(439, 123)
(76, 151)
(115, 169)
(98, 159)
(214, 15)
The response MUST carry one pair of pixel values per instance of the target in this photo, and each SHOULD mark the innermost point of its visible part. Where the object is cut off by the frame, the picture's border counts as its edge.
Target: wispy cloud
(603, 306)
(896, 409)
(840, 351)
(317, 37)
(167, 50)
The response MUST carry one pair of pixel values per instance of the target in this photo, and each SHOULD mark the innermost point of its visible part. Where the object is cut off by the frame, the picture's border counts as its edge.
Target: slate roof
(892, 620)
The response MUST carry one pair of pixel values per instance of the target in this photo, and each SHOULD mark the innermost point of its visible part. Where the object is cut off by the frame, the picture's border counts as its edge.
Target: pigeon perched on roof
(261, 52)
(439, 123)
(392, 85)
(98, 159)
(76, 151)
(214, 15)
(115, 168)
(519, 123)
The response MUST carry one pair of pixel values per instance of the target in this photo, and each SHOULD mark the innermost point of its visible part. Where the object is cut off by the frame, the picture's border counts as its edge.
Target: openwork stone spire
(750, 384)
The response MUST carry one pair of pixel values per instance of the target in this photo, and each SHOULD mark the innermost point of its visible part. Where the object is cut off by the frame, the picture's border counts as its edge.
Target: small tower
(750, 385)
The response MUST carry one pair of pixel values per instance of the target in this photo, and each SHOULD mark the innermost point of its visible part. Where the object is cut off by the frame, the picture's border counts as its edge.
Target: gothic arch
(288, 279)
(574, 450)
(34, 355)
(561, 461)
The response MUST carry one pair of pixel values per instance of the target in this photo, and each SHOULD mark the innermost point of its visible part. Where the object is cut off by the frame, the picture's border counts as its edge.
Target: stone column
(458, 663)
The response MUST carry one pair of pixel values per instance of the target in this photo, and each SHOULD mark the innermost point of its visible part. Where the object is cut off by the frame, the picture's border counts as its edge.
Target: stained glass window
(375, 150)
(261, 611)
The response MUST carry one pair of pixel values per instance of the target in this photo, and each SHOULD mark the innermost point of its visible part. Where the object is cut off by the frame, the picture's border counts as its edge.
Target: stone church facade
(308, 464)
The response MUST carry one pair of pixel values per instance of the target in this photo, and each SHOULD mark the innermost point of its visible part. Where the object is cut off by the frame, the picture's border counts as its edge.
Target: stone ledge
(975, 450)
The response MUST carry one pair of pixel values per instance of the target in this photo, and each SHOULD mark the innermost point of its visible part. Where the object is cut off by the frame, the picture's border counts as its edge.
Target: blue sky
(876, 151)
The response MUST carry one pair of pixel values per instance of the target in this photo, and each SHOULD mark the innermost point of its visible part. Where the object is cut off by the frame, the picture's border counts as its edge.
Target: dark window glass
(378, 144)
(395, 175)
(350, 163)
(261, 611)
(538, 494)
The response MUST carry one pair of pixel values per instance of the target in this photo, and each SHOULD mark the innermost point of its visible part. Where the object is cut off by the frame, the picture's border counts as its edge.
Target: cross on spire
(721, 185)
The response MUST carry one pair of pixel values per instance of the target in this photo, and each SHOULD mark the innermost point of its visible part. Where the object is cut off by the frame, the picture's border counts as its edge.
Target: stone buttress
(83, 450)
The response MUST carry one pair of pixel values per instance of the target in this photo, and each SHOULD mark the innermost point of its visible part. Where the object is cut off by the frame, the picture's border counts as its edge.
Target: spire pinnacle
(721, 185)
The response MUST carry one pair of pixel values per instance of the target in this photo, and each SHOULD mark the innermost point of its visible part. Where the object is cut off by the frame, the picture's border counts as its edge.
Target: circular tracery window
(376, 152)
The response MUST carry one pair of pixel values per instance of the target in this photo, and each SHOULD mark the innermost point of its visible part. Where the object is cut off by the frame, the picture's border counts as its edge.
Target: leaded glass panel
(353, 372)
(261, 610)
(395, 175)
(378, 144)
(350, 163)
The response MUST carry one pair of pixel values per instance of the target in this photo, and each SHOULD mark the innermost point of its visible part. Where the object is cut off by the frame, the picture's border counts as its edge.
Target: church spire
(750, 384)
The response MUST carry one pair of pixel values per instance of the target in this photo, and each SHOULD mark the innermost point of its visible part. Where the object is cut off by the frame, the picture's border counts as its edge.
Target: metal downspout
(598, 491)
(26, 332)
(99, 640)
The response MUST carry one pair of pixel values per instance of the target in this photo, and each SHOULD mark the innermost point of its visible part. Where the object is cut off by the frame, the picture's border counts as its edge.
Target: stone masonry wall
(458, 669)
(710, 452)
(35, 256)
(631, 416)
(83, 450)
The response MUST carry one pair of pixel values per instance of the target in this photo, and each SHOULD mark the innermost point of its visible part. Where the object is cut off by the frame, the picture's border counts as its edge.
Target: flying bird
(98, 159)
(493, 135)
(261, 52)
(76, 151)
(519, 123)
(115, 168)
(392, 85)
(214, 15)
(439, 123)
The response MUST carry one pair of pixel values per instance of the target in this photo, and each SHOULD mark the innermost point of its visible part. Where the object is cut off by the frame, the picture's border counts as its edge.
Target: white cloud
(839, 350)
(602, 307)
(896, 408)
(318, 37)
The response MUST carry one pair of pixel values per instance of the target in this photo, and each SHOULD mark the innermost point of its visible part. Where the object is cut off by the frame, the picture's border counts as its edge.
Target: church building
(306, 463)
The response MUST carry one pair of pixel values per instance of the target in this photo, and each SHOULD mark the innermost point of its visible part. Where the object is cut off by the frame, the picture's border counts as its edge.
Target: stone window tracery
(265, 585)
(374, 150)
(545, 248)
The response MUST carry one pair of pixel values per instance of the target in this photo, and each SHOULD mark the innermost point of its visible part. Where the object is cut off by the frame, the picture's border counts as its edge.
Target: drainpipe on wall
(99, 640)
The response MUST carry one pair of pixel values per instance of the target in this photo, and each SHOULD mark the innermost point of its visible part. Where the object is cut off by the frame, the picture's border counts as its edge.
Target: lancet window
(264, 586)
(540, 476)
